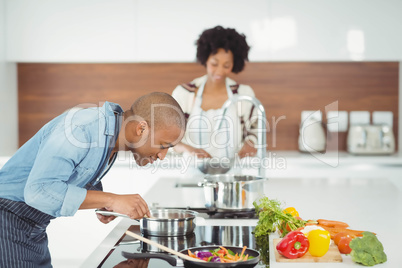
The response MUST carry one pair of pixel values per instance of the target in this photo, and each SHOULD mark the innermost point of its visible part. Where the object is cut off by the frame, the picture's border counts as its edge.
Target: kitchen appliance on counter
(202, 236)
(370, 139)
(312, 136)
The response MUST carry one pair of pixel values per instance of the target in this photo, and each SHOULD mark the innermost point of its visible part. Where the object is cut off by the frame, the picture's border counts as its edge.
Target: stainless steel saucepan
(163, 222)
(232, 192)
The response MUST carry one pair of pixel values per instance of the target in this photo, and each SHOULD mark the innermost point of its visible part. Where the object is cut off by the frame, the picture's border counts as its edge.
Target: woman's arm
(185, 148)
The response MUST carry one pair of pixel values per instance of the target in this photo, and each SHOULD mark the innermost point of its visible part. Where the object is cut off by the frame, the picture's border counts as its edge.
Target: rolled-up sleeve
(48, 188)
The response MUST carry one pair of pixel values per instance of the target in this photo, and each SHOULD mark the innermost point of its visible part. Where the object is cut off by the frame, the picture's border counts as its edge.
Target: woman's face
(219, 65)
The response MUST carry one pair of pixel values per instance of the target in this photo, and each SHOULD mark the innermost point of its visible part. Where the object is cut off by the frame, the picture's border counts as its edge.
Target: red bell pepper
(294, 245)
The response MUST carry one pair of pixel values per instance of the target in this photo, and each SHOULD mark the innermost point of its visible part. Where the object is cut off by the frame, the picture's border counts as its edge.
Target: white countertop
(351, 172)
(365, 204)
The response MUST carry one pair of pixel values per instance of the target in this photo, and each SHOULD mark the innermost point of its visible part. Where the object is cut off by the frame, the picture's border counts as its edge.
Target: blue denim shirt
(51, 170)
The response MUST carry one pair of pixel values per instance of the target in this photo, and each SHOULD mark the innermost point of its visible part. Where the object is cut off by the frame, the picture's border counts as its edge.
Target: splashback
(285, 89)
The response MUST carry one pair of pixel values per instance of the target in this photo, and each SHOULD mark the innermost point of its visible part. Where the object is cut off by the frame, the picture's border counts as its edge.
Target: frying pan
(195, 264)
(190, 262)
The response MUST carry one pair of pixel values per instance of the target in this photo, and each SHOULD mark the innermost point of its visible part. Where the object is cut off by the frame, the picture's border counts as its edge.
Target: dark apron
(23, 239)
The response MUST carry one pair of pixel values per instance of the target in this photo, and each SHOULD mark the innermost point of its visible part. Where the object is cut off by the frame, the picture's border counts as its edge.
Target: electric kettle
(312, 137)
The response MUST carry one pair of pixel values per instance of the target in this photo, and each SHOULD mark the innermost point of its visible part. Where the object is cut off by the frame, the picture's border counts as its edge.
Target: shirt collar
(109, 109)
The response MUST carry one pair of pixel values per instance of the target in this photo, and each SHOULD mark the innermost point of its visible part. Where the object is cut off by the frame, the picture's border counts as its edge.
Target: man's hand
(105, 219)
(132, 205)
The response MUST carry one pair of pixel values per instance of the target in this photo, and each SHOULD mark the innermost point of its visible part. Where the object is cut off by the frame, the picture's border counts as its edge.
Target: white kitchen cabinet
(168, 29)
(165, 31)
(71, 31)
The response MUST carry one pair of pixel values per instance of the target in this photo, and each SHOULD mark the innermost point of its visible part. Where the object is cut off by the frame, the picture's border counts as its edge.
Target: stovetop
(220, 213)
(202, 236)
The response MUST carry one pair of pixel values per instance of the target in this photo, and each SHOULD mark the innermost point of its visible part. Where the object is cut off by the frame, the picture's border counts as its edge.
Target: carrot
(335, 230)
(191, 254)
(227, 260)
(230, 257)
(330, 223)
(237, 257)
(356, 232)
(245, 258)
(226, 251)
(242, 252)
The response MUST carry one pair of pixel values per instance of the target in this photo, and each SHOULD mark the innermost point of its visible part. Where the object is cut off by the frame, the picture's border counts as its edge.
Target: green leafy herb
(271, 217)
(262, 243)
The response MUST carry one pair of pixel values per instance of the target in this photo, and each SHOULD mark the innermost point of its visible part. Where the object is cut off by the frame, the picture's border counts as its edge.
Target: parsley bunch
(272, 217)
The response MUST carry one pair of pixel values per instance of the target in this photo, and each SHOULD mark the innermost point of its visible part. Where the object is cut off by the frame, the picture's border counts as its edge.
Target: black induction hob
(220, 213)
(202, 236)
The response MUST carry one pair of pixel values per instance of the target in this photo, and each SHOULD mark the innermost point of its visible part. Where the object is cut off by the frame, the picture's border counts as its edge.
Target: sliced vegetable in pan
(220, 254)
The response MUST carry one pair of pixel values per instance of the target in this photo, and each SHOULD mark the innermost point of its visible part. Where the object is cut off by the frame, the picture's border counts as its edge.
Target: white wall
(8, 95)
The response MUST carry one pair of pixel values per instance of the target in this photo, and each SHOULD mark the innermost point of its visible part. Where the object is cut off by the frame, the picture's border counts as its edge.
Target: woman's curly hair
(218, 37)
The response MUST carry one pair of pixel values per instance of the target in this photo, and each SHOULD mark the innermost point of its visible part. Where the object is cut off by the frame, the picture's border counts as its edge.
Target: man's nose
(162, 154)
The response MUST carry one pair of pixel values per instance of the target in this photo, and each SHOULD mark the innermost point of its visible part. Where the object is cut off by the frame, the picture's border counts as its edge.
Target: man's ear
(141, 127)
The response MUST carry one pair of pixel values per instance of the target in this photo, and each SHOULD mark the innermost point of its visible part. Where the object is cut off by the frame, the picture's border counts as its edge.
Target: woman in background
(211, 131)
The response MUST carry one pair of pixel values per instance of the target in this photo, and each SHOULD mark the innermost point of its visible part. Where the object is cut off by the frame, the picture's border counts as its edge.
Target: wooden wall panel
(285, 89)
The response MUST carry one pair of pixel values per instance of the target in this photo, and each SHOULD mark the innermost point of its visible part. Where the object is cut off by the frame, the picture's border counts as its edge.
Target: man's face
(155, 144)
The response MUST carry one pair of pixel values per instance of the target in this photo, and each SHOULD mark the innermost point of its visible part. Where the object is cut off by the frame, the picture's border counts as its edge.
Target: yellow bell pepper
(319, 242)
(292, 211)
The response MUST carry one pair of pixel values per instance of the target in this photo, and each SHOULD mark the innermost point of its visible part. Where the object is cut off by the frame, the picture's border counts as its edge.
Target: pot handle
(112, 213)
(171, 260)
(208, 184)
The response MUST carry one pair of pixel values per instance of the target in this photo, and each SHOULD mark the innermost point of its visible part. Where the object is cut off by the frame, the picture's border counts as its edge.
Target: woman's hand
(247, 150)
(200, 153)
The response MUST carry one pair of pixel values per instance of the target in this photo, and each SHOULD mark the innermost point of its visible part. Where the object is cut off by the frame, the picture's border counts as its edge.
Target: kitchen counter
(365, 204)
(361, 175)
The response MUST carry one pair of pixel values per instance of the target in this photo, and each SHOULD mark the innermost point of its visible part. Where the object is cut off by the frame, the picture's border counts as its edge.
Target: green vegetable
(367, 250)
(271, 217)
(262, 243)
